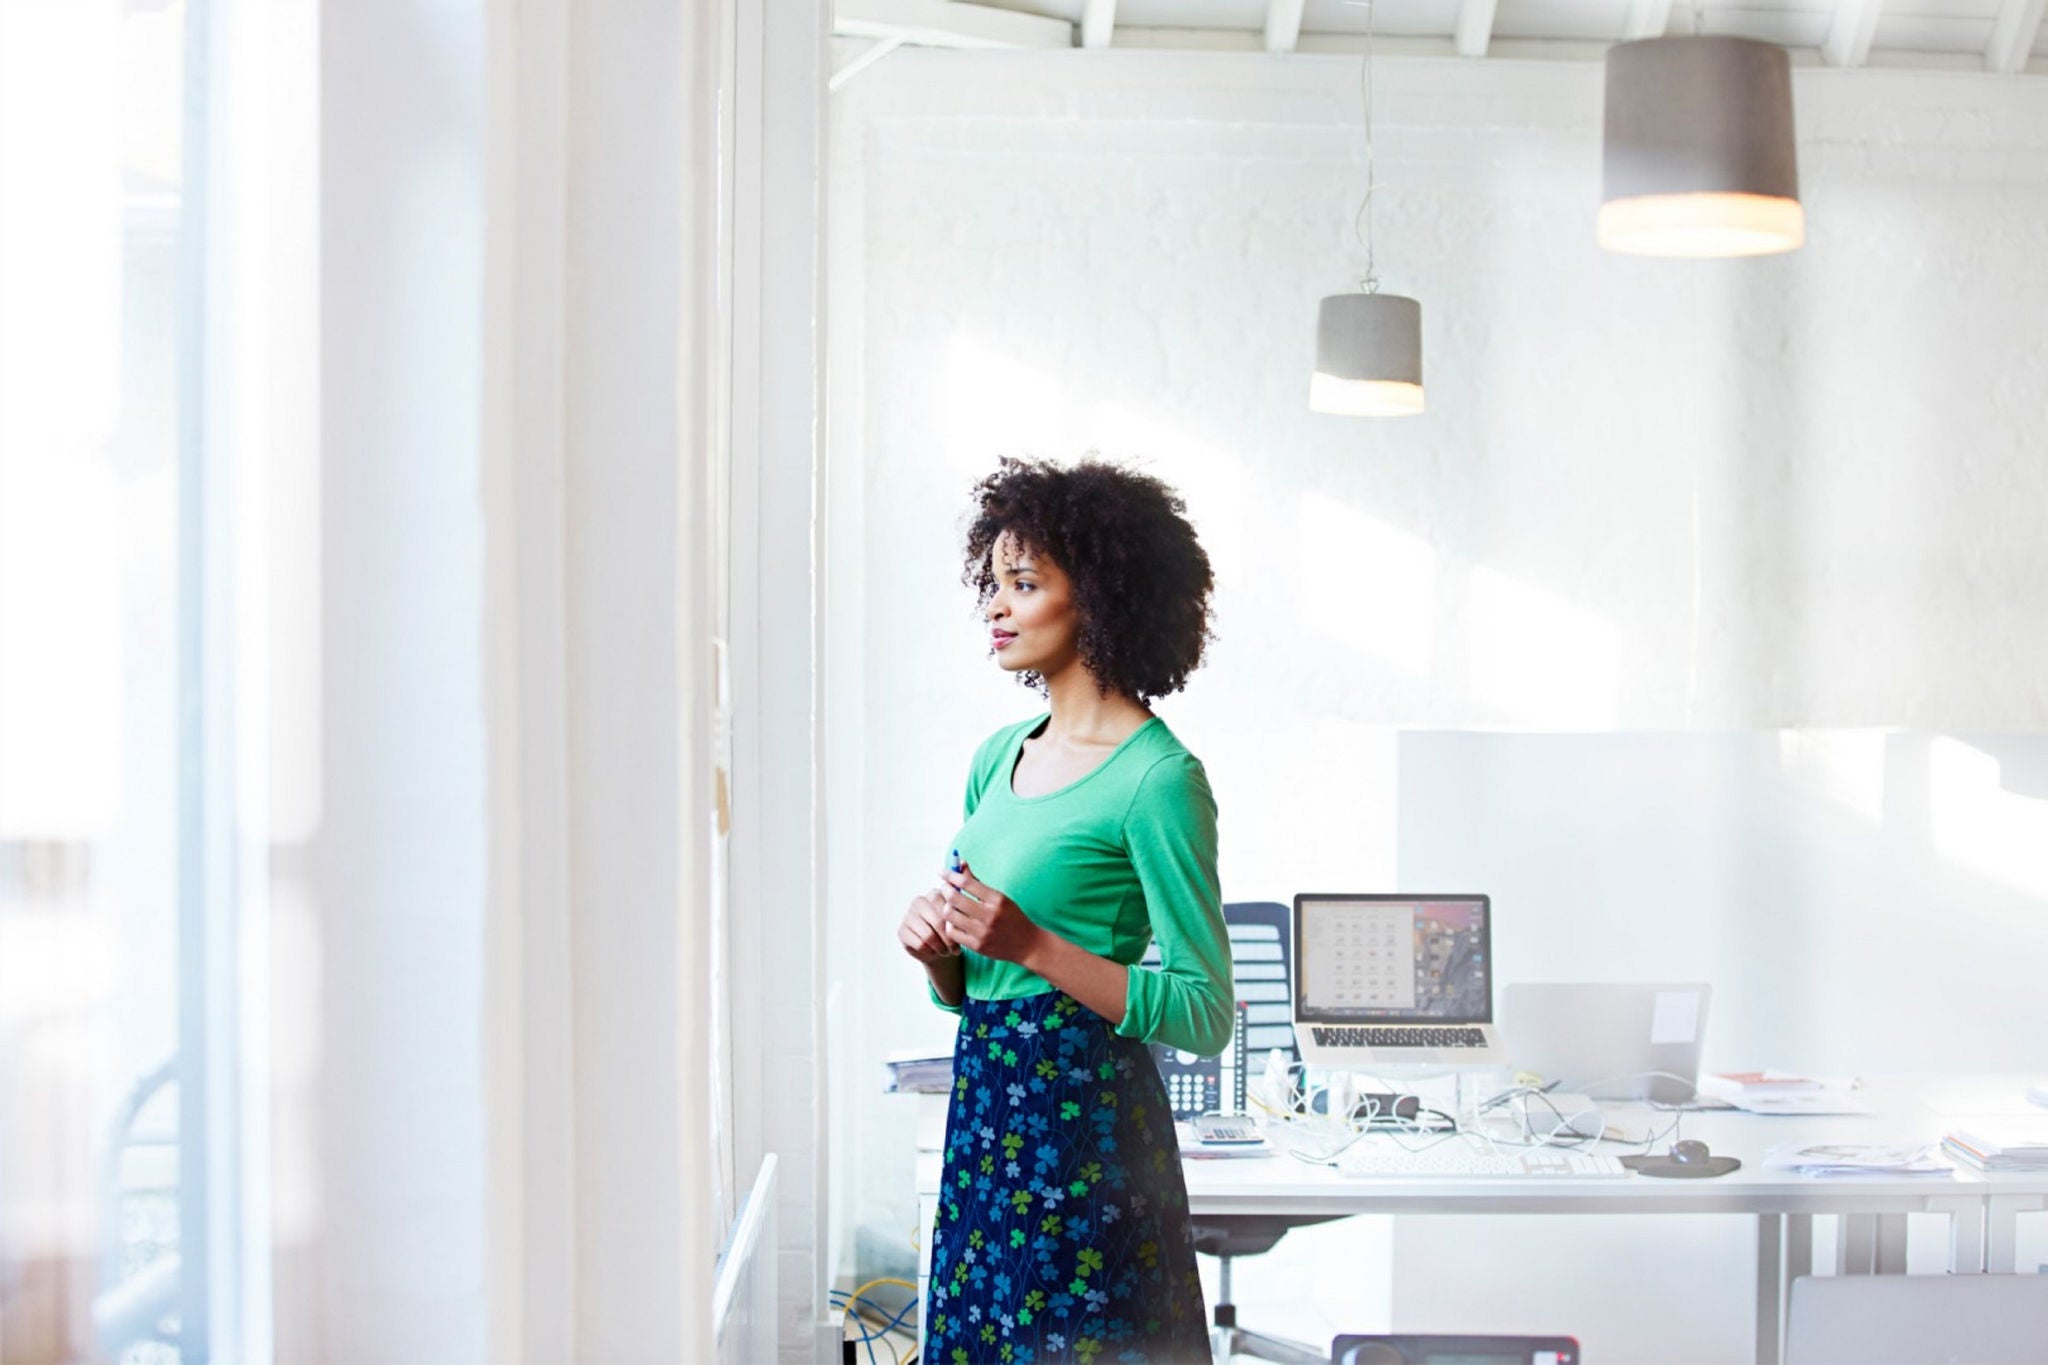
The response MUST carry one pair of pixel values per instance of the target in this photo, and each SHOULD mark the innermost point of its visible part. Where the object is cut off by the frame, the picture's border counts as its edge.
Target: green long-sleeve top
(1110, 862)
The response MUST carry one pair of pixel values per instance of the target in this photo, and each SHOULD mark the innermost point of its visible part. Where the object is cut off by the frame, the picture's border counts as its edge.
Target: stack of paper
(1782, 1092)
(1836, 1160)
(916, 1071)
(2001, 1150)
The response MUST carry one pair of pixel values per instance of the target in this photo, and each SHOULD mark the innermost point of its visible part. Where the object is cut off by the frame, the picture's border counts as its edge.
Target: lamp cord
(1371, 282)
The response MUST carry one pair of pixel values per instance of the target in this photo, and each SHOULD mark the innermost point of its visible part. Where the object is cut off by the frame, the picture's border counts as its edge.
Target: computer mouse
(1689, 1152)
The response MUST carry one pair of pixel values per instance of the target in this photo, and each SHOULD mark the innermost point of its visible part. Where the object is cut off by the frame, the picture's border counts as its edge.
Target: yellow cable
(853, 1300)
(886, 1279)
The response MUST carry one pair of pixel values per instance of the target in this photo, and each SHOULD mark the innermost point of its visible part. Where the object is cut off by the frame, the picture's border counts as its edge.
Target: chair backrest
(1921, 1319)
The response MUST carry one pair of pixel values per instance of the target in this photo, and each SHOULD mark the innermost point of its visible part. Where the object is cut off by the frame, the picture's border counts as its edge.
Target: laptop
(1384, 981)
(1610, 1041)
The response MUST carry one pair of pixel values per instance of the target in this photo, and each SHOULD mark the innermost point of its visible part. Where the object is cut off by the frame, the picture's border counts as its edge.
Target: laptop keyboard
(1375, 1036)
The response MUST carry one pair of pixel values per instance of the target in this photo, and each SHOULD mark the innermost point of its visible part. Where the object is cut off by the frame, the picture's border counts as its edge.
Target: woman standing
(1062, 1230)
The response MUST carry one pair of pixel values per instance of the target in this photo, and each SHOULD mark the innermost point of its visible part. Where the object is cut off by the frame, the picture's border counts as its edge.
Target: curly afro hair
(1141, 580)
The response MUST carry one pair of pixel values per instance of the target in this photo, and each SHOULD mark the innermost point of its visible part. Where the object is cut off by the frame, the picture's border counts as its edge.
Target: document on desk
(1849, 1160)
(1825, 1101)
(1830, 1095)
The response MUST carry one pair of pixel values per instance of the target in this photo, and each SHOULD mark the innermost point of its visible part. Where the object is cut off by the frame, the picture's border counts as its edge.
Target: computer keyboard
(1349, 1035)
(1461, 1159)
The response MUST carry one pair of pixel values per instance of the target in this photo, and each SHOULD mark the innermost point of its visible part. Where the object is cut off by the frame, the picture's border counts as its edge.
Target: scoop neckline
(1017, 751)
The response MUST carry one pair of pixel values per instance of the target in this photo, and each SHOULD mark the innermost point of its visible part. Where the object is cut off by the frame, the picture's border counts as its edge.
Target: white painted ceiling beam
(1475, 27)
(1647, 19)
(2013, 35)
(1283, 24)
(948, 23)
(1851, 32)
(1097, 19)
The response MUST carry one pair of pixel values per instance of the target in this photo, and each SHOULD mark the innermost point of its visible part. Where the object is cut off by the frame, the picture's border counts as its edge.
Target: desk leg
(1965, 1232)
(1770, 1281)
(2001, 1230)
(1856, 1247)
(1891, 1244)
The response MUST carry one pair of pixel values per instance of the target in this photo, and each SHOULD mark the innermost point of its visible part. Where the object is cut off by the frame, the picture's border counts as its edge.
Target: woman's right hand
(923, 931)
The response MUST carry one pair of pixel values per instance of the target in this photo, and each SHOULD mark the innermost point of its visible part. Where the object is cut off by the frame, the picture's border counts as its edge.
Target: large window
(103, 1253)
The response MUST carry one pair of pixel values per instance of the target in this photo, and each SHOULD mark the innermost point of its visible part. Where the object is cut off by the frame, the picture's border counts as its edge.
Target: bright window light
(1367, 584)
(1541, 660)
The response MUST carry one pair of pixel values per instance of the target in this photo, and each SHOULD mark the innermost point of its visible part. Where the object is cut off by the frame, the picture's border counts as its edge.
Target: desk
(1982, 1209)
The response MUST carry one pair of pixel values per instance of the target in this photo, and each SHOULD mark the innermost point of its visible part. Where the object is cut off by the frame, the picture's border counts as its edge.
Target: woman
(1062, 1231)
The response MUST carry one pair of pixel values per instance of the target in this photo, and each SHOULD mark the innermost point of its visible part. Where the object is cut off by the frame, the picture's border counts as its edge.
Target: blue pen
(953, 864)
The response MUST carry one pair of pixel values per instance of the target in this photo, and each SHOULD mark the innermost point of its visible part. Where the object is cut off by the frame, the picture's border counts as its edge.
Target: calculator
(1225, 1128)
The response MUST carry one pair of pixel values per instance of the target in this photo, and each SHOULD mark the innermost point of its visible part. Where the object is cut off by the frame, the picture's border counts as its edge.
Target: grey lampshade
(1368, 356)
(1699, 151)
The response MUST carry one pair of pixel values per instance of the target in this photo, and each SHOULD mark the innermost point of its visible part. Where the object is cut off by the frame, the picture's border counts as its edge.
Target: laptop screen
(1385, 958)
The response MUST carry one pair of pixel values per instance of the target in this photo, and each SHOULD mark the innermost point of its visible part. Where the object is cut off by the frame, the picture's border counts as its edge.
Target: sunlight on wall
(1367, 585)
(1977, 824)
(1846, 766)
(994, 405)
(1539, 658)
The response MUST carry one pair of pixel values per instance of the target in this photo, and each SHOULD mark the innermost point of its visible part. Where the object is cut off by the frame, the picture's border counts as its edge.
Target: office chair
(1917, 1319)
(1255, 927)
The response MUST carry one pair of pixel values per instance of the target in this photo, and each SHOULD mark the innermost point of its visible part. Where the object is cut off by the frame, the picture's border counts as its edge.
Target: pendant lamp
(1368, 356)
(1369, 344)
(1699, 155)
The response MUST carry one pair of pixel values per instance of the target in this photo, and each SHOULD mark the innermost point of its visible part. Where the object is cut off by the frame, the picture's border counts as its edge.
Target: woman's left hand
(982, 918)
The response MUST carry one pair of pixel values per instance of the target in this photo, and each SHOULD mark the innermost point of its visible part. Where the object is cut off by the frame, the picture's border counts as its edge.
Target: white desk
(1982, 1210)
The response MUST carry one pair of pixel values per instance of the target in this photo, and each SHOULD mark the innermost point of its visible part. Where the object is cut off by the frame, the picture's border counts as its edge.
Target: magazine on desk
(1849, 1160)
(2005, 1147)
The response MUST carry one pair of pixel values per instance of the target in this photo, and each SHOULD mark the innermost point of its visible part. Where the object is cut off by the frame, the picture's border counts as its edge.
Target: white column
(509, 866)
(397, 849)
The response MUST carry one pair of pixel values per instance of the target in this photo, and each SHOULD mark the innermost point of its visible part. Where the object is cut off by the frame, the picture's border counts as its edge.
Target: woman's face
(1032, 618)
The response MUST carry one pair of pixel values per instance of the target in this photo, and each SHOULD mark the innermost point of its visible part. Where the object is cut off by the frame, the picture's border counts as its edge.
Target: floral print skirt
(1062, 1229)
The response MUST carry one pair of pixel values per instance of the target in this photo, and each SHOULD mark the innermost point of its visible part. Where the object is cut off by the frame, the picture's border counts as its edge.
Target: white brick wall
(1707, 497)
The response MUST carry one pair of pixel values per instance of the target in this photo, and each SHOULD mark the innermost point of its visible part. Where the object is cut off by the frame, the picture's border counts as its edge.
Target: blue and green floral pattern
(1062, 1229)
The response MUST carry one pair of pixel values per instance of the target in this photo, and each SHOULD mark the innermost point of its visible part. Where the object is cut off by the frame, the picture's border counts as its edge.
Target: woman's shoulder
(1163, 766)
(1156, 742)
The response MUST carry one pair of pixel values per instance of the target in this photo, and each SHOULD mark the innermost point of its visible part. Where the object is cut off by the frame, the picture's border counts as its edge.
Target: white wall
(1709, 500)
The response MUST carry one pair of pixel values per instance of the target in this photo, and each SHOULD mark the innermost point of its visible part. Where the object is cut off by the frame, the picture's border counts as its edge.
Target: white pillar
(510, 865)
(398, 887)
